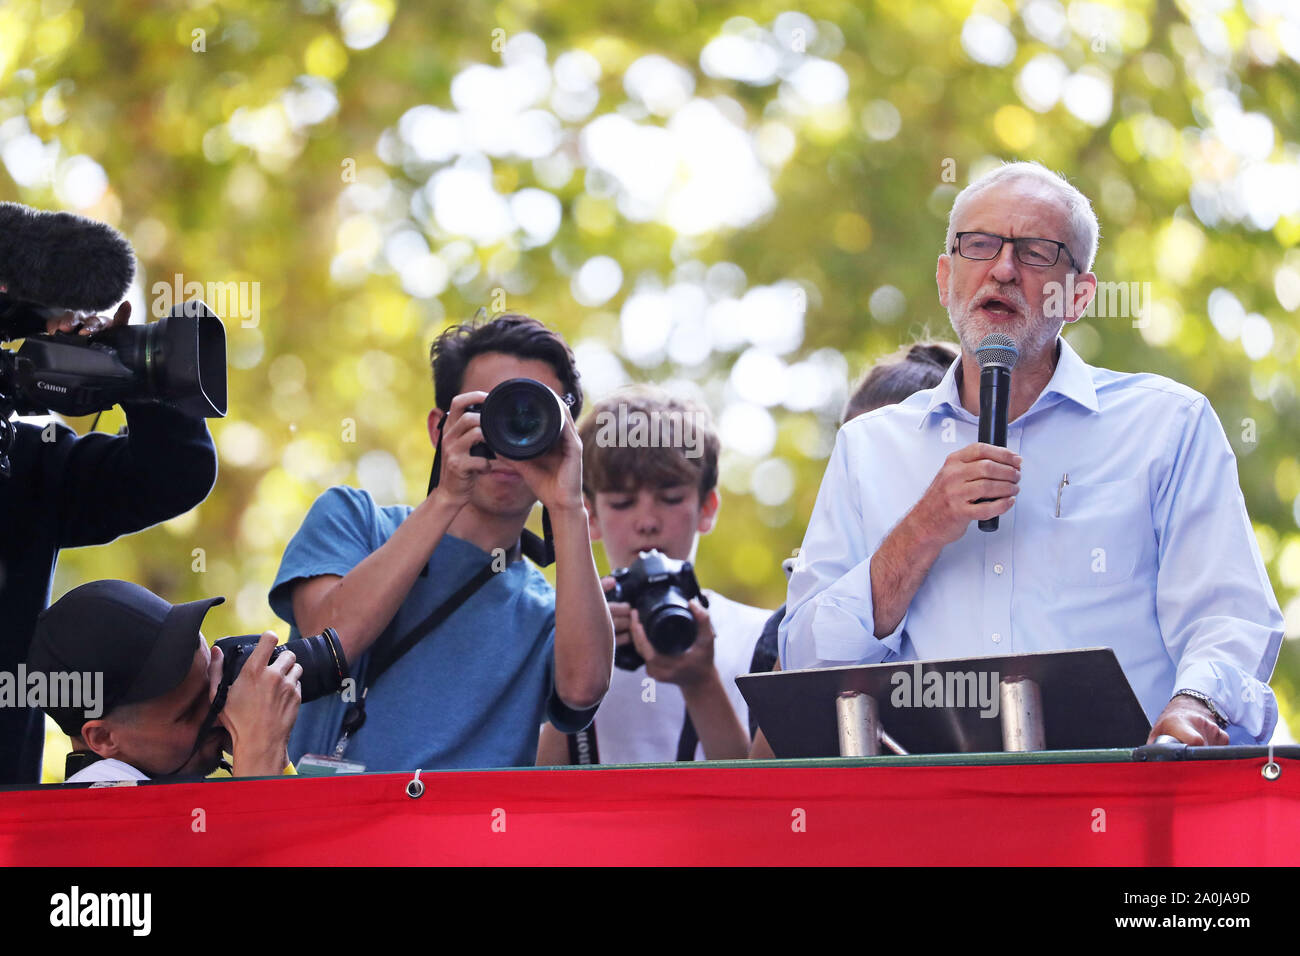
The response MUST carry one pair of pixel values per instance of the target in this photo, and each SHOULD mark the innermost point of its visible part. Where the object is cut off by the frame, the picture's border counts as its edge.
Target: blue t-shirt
(472, 693)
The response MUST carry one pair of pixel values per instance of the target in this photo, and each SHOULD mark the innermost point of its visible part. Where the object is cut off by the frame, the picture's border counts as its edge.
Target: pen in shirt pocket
(1065, 480)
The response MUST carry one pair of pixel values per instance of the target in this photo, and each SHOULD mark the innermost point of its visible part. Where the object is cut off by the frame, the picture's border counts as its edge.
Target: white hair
(1081, 221)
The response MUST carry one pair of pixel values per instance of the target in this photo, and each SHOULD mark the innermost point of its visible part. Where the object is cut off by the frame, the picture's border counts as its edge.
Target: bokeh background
(743, 199)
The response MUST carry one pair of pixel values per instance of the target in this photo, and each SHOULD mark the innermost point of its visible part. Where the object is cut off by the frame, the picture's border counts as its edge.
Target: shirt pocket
(1101, 534)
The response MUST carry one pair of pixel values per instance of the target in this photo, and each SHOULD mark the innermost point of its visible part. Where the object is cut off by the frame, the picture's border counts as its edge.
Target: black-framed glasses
(1032, 251)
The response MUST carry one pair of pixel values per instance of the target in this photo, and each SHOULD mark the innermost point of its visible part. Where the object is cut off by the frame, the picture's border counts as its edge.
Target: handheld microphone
(56, 261)
(997, 355)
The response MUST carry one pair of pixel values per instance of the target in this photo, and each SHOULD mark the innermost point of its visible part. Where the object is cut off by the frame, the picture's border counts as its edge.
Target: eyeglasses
(1042, 253)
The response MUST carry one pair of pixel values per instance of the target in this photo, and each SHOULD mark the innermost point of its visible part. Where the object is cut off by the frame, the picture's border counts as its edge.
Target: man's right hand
(260, 709)
(952, 502)
(460, 433)
(942, 516)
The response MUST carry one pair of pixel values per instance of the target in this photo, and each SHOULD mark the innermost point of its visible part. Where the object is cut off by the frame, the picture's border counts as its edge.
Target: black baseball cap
(142, 645)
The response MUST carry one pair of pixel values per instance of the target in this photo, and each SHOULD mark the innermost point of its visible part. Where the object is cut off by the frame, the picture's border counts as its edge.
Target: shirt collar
(1072, 380)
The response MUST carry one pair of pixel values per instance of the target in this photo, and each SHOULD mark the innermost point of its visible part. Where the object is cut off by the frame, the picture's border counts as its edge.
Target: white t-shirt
(107, 769)
(640, 720)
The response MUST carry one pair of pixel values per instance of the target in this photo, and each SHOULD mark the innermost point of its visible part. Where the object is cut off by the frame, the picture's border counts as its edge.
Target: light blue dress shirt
(1152, 553)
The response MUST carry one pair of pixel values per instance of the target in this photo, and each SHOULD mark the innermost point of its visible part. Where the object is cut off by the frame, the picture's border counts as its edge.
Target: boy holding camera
(650, 474)
(459, 647)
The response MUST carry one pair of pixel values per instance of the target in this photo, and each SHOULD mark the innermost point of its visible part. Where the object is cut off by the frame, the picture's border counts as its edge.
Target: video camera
(51, 263)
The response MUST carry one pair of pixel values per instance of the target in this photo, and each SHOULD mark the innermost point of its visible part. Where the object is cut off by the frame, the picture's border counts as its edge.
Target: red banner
(1180, 813)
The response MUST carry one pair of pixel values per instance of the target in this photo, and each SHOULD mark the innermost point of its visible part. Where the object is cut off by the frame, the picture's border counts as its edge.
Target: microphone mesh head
(997, 348)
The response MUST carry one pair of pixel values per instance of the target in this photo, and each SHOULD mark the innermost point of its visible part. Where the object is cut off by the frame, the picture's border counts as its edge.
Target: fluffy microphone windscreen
(62, 260)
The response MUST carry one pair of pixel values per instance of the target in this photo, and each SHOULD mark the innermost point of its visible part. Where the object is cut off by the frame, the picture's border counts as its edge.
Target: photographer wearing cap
(159, 682)
(460, 648)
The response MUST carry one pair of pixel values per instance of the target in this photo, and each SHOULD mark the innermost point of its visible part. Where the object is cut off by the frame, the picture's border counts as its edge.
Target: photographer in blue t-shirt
(442, 679)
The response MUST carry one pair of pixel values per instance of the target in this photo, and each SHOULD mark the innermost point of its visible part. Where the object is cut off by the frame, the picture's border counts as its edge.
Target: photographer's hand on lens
(460, 433)
(261, 707)
(88, 323)
(692, 667)
(556, 477)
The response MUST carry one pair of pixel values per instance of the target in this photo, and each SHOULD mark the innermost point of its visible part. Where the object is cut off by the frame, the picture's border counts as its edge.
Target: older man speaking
(1121, 519)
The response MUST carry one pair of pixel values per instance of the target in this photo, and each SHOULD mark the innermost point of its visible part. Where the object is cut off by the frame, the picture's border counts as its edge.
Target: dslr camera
(660, 589)
(324, 665)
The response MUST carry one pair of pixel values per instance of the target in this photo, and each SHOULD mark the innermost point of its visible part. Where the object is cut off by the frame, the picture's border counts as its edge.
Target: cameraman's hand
(88, 323)
(261, 706)
(556, 477)
(460, 433)
(689, 669)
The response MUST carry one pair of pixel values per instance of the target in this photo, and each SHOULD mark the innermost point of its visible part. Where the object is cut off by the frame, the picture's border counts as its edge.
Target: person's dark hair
(911, 369)
(511, 334)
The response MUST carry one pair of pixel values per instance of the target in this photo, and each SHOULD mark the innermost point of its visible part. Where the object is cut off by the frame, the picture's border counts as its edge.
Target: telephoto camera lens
(324, 665)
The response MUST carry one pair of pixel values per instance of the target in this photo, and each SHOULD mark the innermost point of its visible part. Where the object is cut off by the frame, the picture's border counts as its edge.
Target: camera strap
(688, 739)
(355, 716)
(540, 551)
(582, 746)
(209, 722)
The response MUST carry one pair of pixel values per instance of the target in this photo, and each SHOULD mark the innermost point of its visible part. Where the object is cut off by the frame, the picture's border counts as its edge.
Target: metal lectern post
(1022, 715)
(858, 717)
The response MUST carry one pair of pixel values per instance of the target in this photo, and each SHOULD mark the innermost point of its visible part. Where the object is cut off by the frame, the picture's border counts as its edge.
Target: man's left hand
(1190, 721)
(556, 477)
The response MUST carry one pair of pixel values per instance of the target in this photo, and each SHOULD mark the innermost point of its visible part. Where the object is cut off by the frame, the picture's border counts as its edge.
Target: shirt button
(997, 638)
(997, 569)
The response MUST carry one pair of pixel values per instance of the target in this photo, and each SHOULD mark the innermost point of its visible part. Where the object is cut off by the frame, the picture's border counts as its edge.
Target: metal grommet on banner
(1271, 770)
(415, 786)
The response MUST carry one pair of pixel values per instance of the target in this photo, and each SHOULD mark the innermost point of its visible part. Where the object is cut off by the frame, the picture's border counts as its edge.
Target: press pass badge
(318, 765)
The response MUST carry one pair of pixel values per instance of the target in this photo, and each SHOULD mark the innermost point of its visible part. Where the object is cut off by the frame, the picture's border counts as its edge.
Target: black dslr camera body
(324, 665)
(660, 590)
(521, 418)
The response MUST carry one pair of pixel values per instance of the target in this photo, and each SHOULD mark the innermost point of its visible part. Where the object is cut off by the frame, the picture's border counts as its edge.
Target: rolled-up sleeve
(829, 617)
(338, 533)
(1217, 612)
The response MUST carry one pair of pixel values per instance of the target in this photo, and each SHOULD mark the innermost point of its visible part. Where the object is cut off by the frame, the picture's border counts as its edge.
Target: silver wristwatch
(1214, 711)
